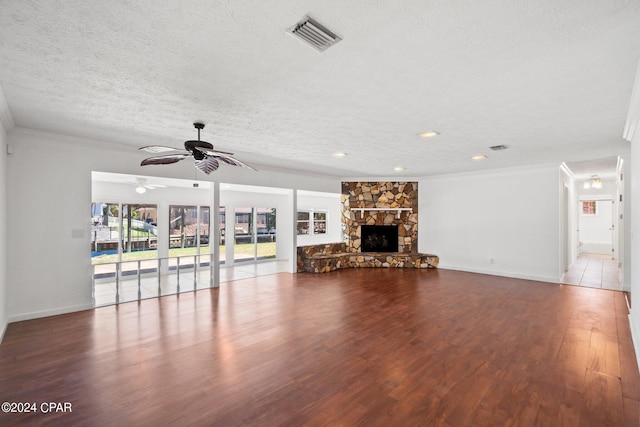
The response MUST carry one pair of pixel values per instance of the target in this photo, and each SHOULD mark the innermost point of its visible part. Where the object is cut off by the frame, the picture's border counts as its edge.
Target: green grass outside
(135, 232)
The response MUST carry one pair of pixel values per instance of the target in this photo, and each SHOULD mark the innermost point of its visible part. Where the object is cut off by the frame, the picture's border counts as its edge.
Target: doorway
(592, 220)
(596, 226)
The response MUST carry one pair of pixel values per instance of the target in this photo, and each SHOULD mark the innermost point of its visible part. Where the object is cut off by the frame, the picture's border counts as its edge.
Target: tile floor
(594, 271)
(151, 285)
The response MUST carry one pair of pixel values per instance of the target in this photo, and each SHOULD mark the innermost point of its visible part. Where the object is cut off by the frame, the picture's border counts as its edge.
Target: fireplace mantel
(397, 210)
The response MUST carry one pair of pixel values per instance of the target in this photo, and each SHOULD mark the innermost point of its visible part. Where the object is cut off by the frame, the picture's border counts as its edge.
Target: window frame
(312, 221)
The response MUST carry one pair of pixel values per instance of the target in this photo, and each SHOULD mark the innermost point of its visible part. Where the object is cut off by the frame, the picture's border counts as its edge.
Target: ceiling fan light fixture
(140, 189)
(428, 134)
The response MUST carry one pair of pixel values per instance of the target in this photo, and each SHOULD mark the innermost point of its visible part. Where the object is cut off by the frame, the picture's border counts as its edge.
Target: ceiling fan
(142, 186)
(206, 158)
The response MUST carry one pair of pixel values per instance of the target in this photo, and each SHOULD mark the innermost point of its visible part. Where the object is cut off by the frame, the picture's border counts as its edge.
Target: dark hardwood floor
(355, 347)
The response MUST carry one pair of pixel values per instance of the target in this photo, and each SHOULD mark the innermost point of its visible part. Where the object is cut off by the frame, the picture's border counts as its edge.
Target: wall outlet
(491, 261)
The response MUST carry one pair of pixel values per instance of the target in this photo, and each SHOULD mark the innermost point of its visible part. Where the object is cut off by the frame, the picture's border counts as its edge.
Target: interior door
(595, 226)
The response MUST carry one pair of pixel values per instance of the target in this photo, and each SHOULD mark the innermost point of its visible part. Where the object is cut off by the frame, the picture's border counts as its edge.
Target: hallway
(594, 271)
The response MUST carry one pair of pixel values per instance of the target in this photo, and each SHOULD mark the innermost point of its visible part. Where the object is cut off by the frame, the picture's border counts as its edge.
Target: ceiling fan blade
(234, 162)
(164, 160)
(216, 153)
(157, 149)
(207, 165)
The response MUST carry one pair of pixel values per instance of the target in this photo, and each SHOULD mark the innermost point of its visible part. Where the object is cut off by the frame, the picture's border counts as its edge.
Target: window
(187, 229)
(312, 222)
(589, 207)
(319, 223)
(204, 229)
(183, 223)
(139, 236)
(140, 231)
(222, 218)
(255, 234)
(105, 231)
(303, 222)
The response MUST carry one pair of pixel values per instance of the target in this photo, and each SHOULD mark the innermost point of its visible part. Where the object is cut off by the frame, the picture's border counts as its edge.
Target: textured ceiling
(549, 79)
(604, 168)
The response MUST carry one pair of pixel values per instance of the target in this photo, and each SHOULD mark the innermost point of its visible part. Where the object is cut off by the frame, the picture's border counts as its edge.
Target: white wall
(48, 270)
(328, 202)
(3, 231)
(634, 316)
(632, 134)
(503, 222)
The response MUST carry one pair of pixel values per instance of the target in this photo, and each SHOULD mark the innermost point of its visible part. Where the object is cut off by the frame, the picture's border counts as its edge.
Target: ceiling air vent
(498, 147)
(314, 34)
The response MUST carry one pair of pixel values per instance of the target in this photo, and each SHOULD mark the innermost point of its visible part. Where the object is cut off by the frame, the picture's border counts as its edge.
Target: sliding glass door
(255, 234)
(244, 232)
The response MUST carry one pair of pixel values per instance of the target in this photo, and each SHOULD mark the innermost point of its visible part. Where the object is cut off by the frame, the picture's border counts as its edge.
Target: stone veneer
(319, 259)
(356, 195)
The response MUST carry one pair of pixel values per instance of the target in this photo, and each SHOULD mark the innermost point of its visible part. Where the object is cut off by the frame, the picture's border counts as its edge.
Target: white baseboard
(547, 279)
(5, 323)
(46, 313)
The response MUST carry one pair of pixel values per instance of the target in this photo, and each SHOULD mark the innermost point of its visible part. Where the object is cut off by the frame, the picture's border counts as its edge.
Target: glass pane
(244, 248)
(182, 230)
(266, 226)
(105, 232)
(589, 207)
(303, 216)
(222, 219)
(320, 227)
(140, 232)
(204, 235)
(303, 227)
(319, 222)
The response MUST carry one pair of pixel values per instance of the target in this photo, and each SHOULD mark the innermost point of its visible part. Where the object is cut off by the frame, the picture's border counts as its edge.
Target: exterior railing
(159, 270)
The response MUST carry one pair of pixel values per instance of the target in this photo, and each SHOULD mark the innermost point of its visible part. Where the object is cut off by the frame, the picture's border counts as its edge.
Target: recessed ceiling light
(480, 157)
(428, 134)
(339, 154)
(399, 169)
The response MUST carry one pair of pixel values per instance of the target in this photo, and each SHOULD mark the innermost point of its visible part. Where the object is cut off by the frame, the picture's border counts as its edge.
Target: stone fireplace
(383, 204)
(379, 229)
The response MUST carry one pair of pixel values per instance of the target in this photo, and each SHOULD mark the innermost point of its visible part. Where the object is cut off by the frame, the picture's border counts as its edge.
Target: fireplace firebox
(379, 238)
